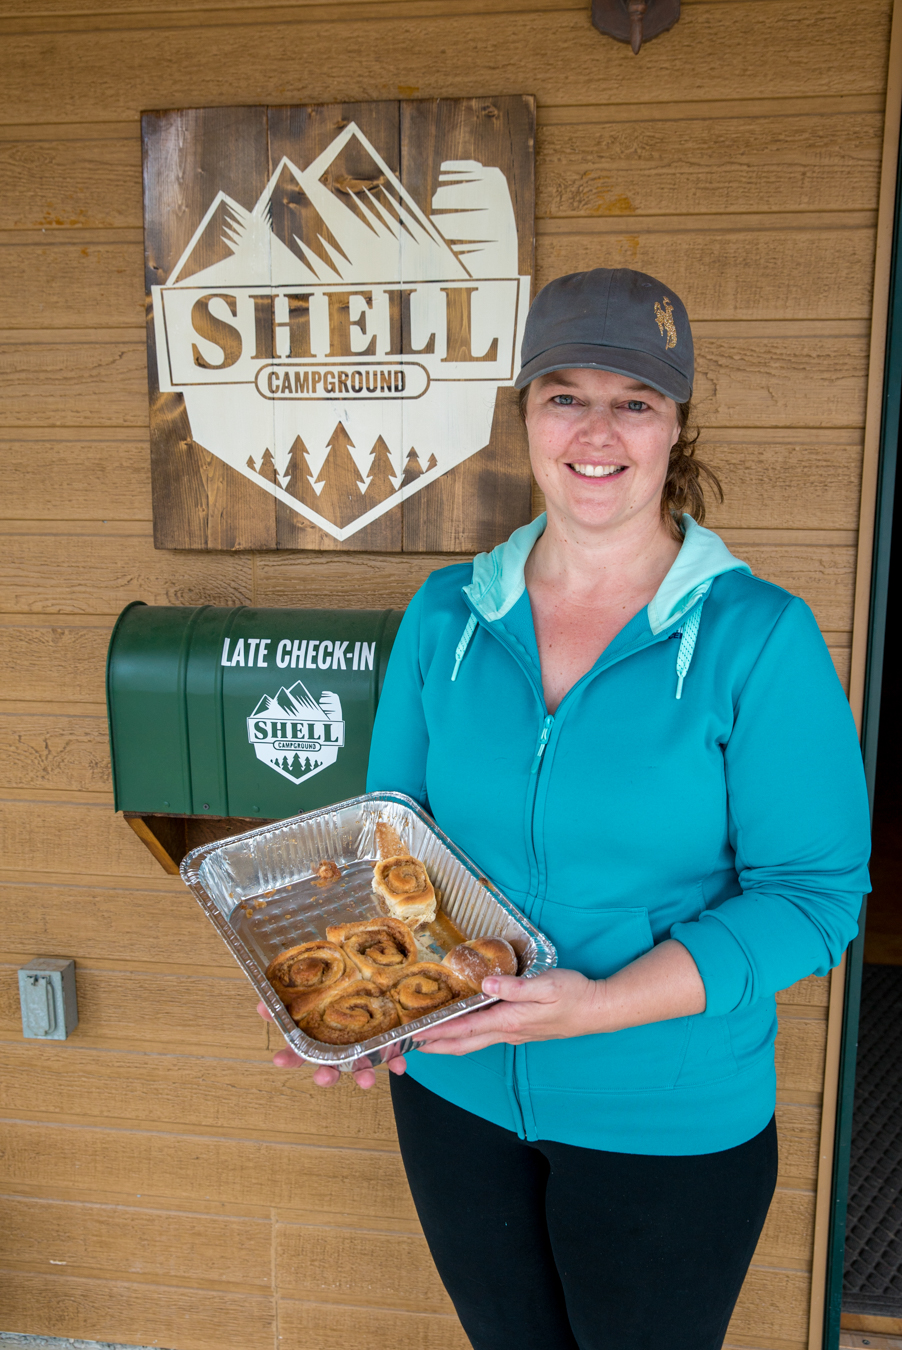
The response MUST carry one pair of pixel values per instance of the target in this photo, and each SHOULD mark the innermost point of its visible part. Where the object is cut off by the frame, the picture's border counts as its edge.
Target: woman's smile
(597, 470)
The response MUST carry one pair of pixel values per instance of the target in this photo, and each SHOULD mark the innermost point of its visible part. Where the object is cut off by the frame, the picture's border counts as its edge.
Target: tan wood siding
(159, 1181)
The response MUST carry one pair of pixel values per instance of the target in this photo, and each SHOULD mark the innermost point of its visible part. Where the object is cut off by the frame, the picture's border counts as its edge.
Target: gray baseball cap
(611, 318)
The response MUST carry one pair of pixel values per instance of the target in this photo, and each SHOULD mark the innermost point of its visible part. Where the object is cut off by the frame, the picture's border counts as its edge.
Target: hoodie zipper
(548, 722)
(545, 731)
(518, 1052)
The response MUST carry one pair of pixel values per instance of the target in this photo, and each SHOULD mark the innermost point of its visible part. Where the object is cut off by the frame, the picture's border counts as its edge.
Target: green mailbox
(243, 712)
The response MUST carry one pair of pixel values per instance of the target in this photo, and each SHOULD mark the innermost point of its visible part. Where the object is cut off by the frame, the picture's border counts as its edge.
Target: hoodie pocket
(599, 942)
(709, 1052)
(596, 942)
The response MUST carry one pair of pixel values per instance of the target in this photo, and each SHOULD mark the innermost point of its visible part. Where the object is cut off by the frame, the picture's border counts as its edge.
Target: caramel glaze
(445, 932)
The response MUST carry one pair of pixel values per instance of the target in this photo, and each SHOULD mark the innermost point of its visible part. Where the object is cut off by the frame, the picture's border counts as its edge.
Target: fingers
(498, 1021)
(264, 1012)
(515, 989)
(394, 1062)
(462, 1025)
(326, 1076)
(287, 1059)
(450, 1046)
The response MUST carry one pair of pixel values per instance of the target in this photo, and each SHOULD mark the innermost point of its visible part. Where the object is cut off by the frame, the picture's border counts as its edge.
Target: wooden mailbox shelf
(171, 838)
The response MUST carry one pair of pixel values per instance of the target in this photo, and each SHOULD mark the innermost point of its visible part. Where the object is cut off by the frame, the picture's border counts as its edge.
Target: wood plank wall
(160, 1183)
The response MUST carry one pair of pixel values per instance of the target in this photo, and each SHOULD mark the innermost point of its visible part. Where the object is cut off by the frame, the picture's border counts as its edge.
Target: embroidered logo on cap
(664, 317)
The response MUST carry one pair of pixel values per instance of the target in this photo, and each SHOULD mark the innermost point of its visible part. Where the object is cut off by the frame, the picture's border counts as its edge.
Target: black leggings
(546, 1246)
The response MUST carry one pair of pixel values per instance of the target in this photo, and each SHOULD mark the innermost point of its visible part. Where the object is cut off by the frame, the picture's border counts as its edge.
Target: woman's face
(600, 444)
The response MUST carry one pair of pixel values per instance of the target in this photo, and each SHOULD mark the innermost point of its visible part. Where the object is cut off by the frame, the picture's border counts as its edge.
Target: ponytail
(683, 486)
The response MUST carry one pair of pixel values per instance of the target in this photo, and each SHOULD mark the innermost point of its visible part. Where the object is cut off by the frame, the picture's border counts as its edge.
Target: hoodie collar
(499, 580)
(499, 577)
(702, 557)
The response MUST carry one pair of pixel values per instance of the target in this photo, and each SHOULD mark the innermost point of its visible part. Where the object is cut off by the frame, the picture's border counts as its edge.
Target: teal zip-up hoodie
(703, 782)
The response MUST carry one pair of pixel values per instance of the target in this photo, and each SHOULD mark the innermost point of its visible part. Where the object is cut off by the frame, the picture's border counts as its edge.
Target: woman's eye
(563, 400)
(636, 405)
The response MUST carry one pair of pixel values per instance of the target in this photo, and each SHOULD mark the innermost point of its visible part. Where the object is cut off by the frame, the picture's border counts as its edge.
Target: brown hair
(683, 488)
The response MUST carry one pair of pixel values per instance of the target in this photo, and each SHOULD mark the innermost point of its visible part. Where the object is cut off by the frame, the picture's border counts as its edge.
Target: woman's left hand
(552, 1006)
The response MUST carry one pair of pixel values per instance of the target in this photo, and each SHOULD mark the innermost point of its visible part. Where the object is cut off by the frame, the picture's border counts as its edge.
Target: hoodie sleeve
(799, 825)
(400, 740)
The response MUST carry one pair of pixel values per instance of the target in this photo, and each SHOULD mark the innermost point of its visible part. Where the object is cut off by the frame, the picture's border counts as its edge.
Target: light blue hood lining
(702, 557)
(499, 581)
(499, 577)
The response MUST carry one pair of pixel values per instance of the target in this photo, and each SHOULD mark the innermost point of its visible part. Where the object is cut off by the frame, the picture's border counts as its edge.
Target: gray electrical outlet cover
(48, 999)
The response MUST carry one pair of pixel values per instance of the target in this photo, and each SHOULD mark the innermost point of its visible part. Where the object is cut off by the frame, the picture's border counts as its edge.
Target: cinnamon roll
(302, 975)
(479, 957)
(406, 889)
(355, 1013)
(425, 987)
(380, 948)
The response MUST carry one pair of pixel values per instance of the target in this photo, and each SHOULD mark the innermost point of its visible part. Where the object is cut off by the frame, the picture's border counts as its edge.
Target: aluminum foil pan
(276, 864)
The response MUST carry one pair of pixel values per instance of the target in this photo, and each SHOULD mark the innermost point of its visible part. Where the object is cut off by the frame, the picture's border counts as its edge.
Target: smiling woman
(604, 1134)
(684, 483)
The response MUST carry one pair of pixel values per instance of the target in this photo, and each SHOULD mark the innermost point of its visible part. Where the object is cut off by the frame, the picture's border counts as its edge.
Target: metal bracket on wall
(634, 21)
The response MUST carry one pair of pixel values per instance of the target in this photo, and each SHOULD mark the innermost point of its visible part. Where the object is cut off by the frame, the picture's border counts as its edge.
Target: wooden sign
(336, 297)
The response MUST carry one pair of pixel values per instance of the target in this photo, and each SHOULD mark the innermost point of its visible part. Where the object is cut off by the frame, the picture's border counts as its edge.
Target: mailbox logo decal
(339, 343)
(296, 734)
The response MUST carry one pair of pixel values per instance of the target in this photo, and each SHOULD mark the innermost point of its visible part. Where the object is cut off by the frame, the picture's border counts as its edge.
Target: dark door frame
(883, 530)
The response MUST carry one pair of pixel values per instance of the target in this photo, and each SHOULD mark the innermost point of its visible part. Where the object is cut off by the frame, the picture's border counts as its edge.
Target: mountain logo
(296, 734)
(339, 343)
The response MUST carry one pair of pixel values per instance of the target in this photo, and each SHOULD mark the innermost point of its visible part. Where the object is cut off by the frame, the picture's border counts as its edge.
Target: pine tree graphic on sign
(297, 475)
(433, 464)
(413, 469)
(267, 467)
(381, 484)
(341, 500)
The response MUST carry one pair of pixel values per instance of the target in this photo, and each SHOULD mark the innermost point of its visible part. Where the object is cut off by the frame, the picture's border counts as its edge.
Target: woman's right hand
(325, 1076)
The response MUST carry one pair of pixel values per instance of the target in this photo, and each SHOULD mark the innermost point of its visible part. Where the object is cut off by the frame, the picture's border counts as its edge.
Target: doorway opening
(872, 1273)
(864, 1287)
